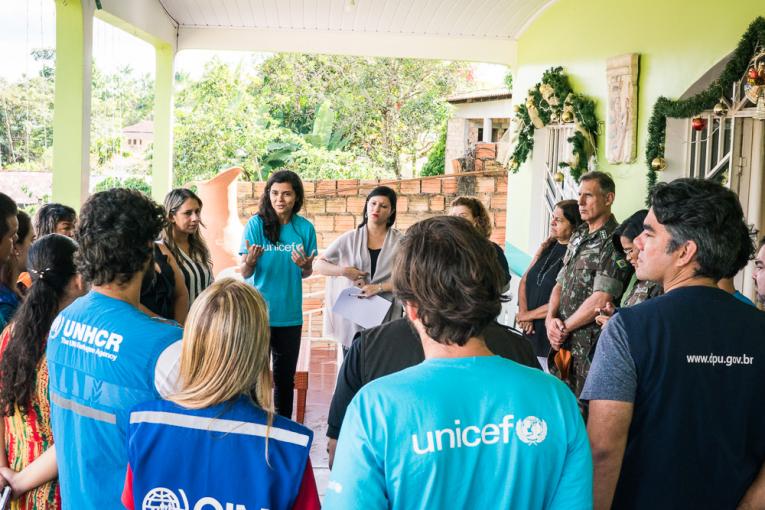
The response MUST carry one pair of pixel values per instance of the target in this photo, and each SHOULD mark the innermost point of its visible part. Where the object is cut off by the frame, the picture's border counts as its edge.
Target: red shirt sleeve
(127, 491)
(308, 497)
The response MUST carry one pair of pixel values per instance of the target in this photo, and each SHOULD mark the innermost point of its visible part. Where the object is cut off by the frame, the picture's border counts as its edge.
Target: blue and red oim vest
(215, 458)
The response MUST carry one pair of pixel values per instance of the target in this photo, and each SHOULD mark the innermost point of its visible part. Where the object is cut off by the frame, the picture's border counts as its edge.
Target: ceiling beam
(499, 51)
(145, 19)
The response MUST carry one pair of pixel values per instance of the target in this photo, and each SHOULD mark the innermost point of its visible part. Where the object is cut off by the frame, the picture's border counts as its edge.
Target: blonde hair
(479, 212)
(225, 350)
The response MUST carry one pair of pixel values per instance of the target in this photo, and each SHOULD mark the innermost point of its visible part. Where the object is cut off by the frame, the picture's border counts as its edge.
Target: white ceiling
(485, 19)
(479, 30)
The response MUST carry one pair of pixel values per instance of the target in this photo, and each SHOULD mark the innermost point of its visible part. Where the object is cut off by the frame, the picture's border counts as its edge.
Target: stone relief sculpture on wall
(621, 124)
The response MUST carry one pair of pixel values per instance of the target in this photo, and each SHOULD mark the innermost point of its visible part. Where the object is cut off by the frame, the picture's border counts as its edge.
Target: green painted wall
(678, 41)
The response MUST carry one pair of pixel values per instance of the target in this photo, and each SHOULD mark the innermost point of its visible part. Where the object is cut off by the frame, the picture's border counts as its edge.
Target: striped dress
(28, 435)
(197, 275)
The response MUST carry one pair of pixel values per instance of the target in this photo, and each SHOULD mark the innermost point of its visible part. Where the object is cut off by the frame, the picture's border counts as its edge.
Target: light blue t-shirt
(481, 432)
(743, 298)
(104, 357)
(277, 278)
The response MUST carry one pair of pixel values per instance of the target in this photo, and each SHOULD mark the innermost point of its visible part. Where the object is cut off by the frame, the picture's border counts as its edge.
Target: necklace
(545, 269)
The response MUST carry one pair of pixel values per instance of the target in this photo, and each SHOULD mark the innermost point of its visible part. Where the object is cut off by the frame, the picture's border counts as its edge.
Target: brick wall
(335, 207)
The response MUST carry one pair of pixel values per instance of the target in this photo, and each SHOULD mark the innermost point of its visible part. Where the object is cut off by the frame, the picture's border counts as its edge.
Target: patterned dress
(28, 435)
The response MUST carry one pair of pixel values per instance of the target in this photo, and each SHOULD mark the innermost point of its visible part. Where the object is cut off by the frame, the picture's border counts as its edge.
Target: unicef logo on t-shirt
(531, 430)
(160, 498)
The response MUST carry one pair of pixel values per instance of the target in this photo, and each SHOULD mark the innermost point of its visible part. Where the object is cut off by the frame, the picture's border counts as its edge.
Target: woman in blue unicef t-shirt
(277, 251)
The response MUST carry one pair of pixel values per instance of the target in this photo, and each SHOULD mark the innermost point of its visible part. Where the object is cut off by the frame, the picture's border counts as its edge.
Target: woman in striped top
(182, 237)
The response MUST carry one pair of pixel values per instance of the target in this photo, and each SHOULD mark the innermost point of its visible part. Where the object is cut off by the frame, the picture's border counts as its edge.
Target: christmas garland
(553, 101)
(734, 70)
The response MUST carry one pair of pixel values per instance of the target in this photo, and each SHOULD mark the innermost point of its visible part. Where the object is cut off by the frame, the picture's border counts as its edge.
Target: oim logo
(160, 498)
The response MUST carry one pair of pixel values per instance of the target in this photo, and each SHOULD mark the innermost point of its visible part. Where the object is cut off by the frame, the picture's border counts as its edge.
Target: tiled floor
(321, 384)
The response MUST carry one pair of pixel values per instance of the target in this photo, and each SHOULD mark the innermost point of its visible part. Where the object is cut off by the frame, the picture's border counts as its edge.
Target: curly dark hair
(49, 215)
(710, 215)
(51, 266)
(450, 271)
(479, 212)
(271, 224)
(116, 234)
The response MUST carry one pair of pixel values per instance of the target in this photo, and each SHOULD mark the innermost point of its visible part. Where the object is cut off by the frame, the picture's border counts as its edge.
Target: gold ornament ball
(516, 108)
(567, 117)
(559, 177)
(720, 110)
(659, 164)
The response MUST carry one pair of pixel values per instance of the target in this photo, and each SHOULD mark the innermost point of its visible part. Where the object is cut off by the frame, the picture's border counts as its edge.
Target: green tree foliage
(118, 100)
(388, 107)
(321, 116)
(26, 114)
(219, 122)
(509, 80)
(130, 183)
(26, 117)
(323, 124)
(436, 157)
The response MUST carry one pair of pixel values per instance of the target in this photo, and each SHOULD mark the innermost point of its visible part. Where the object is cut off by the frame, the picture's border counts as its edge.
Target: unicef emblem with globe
(531, 430)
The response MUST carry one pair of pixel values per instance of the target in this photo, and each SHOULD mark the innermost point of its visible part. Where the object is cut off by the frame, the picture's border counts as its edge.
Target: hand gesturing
(253, 253)
(299, 257)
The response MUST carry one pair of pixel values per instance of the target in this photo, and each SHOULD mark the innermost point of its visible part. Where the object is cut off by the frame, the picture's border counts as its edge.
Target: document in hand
(367, 312)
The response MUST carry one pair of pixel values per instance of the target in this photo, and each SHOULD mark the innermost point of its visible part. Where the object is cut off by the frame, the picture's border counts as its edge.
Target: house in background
(138, 136)
(480, 120)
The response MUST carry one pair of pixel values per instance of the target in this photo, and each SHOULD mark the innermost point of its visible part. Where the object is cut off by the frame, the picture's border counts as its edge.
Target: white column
(487, 130)
(754, 211)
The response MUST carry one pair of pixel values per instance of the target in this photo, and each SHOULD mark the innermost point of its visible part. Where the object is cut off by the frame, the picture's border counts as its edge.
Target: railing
(304, 358)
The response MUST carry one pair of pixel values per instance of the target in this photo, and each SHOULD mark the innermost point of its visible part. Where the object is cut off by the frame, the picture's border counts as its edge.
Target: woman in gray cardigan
(362, 257)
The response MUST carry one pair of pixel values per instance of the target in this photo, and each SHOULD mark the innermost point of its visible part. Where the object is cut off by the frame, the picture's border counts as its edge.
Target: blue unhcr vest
(215, 458)
(102, 355)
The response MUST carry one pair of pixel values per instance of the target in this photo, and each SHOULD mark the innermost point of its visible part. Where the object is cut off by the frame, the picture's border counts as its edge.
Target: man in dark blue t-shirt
(675, 387)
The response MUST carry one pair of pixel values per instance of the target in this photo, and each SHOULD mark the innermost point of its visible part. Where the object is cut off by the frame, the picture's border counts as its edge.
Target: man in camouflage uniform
(594, 273)
(641, 291)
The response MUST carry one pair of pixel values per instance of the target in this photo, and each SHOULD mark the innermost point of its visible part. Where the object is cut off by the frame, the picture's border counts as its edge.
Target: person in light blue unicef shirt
(105, 355)
(278, 248)
(465, 428)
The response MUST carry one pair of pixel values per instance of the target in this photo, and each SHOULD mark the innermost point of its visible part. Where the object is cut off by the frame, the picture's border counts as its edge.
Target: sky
(29, 24)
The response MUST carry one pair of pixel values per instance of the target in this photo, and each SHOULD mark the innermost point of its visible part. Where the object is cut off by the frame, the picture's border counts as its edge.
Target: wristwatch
(380, 286)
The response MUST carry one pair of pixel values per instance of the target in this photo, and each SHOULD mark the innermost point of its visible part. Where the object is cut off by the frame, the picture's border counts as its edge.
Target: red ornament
(752, 73)
(698, 123)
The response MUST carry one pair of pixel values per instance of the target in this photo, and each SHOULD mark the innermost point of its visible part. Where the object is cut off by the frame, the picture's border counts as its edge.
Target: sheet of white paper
(366, 312)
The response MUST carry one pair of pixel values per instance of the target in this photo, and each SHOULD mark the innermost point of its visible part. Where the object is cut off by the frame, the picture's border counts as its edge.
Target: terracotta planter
(222, 230)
